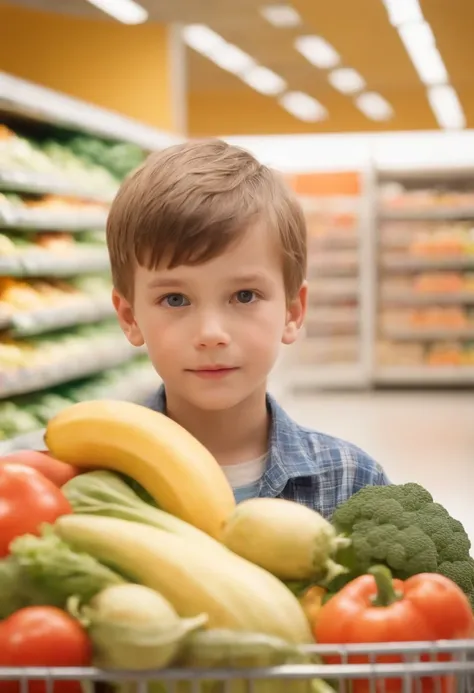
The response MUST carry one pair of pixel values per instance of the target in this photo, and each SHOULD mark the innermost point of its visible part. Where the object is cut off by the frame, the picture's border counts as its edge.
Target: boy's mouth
(213, 371)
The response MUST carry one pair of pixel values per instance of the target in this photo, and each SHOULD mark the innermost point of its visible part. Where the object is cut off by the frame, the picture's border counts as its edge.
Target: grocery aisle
(423, 437)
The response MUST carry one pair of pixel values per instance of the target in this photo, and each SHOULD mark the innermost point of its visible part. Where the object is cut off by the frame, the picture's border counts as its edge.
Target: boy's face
(213, 331)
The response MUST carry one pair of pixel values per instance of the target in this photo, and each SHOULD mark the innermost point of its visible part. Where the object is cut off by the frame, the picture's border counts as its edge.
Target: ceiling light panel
(446, 106)
(232, 59)
(346, 80)
(281, 16)
(420, 45)
(125, 11)
(374, 106)
(264, 81)
(202, 38)
(210, 44)
(317, 51)
(403, 11)
(303, 106)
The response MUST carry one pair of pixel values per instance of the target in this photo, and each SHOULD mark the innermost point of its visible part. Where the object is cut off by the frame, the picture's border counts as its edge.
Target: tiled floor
(423, 437)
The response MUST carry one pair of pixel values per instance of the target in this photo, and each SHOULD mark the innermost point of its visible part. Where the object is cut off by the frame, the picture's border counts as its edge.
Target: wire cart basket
(421, 667)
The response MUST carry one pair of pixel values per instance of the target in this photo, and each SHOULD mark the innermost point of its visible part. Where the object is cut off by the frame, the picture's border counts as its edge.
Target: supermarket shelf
(418, 298)
(329, 376)
(81, 312)
(134, 388)
(96, 357)
(428, 335)
(42, 263)
(332, 241)
(44, 183)
(419, 264)
(428, 214)
(332, 296)
(424, 375)
(12, 217)
(29, 100)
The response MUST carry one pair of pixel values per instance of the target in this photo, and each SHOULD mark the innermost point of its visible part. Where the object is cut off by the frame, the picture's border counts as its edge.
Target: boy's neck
(235, 435)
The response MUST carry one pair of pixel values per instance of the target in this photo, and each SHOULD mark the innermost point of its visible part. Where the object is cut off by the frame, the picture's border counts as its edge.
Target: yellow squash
(288, 539)
(192, 576)
(176, 469)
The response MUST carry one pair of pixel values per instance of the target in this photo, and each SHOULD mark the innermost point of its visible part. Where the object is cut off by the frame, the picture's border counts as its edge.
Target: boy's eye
(175, 301)
(245, 296)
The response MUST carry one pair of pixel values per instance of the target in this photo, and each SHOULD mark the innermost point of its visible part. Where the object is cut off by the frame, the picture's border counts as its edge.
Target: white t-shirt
(245, 477)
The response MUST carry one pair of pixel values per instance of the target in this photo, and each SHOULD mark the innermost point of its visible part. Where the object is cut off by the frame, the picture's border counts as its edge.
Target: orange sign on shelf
(327, 184)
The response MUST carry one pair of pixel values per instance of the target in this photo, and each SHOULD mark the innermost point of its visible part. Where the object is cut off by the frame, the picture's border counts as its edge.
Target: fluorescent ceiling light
(264, 81)
(125, 11)
(403, 11)
(303, 106)
(232, 59)
(281, 15)
(317, 51)
(374, 106)
(202, 39)
(421, 47)
(227, 56)
(346, 80)
(446, 107)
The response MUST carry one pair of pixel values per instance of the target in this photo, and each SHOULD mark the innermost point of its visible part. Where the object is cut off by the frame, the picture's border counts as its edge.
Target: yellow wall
(124, 68)
(245, 112)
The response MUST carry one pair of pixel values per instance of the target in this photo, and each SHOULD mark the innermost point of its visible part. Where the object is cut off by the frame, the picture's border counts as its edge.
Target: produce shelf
(25, 99)
(424, 375)
(79, 312)
(137, 387)
(435, 214)
(333, 291)
(98, 355)
(42, 263)
(430, 335)
(12, 217)
(418, 264)
(328, 376)
(44, 183)
(418, 298)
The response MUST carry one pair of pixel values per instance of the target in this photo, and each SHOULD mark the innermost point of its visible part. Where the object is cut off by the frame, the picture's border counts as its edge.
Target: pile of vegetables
(132, 551)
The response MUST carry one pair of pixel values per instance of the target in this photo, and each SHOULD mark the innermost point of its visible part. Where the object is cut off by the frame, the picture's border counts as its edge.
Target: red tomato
(27, 500)
(54, 470)
(43, 636)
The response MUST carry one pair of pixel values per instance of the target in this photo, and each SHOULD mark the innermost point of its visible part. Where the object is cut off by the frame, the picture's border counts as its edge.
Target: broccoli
(404, 529)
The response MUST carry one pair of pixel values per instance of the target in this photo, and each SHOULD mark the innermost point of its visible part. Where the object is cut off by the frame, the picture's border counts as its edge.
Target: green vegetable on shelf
(403, 528)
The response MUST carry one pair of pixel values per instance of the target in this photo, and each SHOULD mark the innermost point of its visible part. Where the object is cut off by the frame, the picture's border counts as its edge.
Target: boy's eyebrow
(166, 282)
(249, 278)
(175, 283)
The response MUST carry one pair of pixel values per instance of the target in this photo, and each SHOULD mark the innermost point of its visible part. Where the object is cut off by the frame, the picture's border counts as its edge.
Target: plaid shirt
(308, 467)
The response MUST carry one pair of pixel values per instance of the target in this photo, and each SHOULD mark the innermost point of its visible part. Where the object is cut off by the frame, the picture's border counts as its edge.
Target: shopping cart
(404, 667)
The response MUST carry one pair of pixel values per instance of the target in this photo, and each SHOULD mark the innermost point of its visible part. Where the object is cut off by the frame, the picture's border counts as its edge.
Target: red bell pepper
(376, 609)
(27, 500)
(43, 636)
(54, 470)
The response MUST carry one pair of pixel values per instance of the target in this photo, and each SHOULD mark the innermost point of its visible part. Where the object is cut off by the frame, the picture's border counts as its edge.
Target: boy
(208, 255)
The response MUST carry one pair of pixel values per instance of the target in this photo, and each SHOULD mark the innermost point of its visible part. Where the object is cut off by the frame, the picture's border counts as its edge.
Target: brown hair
(188, 203)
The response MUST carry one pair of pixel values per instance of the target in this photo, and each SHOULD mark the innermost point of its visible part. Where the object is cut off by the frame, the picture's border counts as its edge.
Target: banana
(194, 578)
(176, 469)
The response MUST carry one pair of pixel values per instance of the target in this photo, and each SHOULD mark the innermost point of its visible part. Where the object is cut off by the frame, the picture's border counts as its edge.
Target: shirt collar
(287, 458)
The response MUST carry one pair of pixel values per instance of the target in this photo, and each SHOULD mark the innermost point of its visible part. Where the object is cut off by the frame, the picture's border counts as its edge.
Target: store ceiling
(360, 32)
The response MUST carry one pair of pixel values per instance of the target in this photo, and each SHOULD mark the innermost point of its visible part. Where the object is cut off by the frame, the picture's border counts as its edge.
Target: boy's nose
(211, 333)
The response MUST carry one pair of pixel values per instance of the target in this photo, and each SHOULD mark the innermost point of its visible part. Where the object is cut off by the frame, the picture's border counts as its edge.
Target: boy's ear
(126, 318)
(295, 315)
